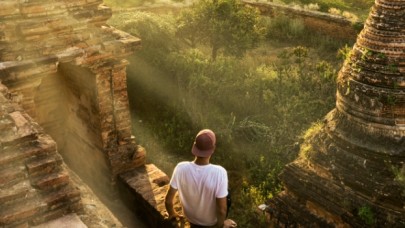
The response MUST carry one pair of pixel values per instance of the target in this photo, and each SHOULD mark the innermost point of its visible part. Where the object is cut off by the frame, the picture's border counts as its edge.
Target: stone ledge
(144, 189)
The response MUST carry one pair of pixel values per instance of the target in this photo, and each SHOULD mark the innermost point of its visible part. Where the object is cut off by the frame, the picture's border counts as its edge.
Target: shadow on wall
(65, 107)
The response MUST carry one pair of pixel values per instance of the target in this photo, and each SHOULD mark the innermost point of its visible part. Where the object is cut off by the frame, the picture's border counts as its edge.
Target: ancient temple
(350, 171)
(63, 102)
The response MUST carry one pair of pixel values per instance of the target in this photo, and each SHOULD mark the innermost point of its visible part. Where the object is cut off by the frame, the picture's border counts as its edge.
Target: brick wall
(332, 25)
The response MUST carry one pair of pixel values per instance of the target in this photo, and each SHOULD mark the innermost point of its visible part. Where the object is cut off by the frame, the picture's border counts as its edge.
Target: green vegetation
(221, 24)
(366, 214)
(306, 146)
(400, 177)
(352, 9)
(324, 5)
(126, 3)
(258, 104)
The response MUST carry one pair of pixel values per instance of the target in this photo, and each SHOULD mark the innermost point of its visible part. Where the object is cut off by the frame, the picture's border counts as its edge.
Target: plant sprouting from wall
(345, 52)
(307, 137)
(366, 214)
(399, 173)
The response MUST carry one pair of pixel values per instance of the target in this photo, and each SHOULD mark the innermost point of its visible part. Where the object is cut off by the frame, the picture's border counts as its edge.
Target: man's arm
(221, 211)
(169, 202)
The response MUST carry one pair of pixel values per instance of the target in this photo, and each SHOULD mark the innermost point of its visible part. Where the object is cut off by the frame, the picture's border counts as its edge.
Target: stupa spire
(350, 169)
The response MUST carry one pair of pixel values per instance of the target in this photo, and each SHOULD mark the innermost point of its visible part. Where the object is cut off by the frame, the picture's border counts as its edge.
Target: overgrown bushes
(257, 109)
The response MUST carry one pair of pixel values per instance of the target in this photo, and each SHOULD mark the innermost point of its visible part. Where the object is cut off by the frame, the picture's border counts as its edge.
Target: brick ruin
(348, 171)
(63, 101)
(335, 26)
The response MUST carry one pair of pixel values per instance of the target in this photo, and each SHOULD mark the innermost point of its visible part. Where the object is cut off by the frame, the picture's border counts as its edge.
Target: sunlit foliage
(221, 24)
(258, 110)
(325, 5)
(157, 33)
(126, 3)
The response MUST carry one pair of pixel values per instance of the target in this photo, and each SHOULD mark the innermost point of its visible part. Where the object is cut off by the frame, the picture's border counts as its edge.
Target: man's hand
(228, 223)
(174, 216)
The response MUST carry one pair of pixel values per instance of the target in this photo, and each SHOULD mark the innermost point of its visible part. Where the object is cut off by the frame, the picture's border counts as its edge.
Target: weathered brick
(330, 182)
(15, 213)
(51, 181)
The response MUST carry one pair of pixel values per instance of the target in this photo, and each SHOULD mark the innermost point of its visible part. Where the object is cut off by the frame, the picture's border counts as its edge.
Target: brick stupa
(351, 168)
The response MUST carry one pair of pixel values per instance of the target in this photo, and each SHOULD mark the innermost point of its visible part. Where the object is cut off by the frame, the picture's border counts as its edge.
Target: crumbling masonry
(351, 168)
(63, 99)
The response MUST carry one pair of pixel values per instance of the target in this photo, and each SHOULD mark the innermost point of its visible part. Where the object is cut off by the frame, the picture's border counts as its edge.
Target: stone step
(22, 203)
(59, 198)
(19, 212)
(51, 180)
(20, 191)
(44, 164)
(12, 154)
(22, 128)
(11, 175)
(67, 221)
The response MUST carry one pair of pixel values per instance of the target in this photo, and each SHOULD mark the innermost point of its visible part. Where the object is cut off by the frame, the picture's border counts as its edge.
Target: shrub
(282, 27)
(366, 214)
(223, 25)
(257, 110)
(157, 33)
(126, 3)
(350, 16)
(312, 6)
(335, 11)
(400, 177)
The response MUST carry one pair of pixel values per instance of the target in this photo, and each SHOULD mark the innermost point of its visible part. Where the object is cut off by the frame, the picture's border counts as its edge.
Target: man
(202, 187)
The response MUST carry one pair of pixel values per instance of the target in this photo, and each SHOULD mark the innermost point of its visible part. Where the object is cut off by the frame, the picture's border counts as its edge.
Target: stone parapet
(334, 26)
(144, 190)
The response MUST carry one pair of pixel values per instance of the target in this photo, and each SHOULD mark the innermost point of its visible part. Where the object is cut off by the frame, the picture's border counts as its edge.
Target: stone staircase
(34, 185)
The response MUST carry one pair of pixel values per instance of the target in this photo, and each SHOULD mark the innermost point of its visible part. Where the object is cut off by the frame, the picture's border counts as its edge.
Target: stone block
(146, 187)
(43, 164)
(11, 176)
(62, 196)
(52, 180)
(20, 212)
(18, 191)
(61, 220)
(38, 9)
(9, 8)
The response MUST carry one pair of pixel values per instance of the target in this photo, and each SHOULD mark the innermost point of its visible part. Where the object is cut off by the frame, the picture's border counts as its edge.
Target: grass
(258, 105)
(361, 8)
(126, 3)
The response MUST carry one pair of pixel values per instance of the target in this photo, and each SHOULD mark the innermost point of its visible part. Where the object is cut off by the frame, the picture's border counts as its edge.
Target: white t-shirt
(198, 188)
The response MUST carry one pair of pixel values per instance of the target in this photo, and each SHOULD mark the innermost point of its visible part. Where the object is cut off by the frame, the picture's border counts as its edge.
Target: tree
(221, 24)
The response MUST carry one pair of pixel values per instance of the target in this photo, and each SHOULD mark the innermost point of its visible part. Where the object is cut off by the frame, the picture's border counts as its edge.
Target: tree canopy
(222, 24)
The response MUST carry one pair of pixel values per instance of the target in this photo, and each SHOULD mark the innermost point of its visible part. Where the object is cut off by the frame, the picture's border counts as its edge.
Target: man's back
(199, 186)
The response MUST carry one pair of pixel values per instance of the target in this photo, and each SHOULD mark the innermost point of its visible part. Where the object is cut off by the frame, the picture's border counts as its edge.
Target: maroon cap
(204, 143)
